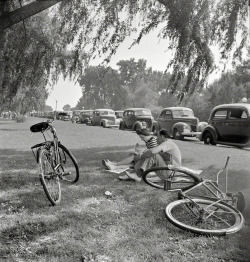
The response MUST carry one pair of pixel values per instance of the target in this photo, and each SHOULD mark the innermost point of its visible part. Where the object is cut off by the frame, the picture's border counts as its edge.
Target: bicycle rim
(49, 180)
(68, 169)
(157, 178)
(204, 216)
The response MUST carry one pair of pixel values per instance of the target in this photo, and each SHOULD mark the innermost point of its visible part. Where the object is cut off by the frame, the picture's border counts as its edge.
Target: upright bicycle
(55, 162)
(202, 206)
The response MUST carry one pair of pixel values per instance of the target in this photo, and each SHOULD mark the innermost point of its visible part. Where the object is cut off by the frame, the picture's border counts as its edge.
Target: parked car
(76, 116)
(228, 124)
(86, 116)
(119, 114)
(65, 116)
(136, 118)
(180, 122)
(105, 118)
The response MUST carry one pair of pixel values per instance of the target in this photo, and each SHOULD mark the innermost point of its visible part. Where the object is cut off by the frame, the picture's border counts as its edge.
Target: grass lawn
(128, 226)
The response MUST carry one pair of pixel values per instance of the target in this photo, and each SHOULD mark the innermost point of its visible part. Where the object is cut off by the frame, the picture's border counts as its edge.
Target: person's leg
(153, 161)
(125, 161)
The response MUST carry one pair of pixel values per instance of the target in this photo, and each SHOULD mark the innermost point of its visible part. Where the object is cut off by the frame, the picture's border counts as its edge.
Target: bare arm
(150, 152)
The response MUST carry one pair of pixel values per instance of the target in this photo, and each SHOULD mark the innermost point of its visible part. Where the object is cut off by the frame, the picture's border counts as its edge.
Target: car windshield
(143, 112)
(107, 113)
(183, 113)
(77, 113)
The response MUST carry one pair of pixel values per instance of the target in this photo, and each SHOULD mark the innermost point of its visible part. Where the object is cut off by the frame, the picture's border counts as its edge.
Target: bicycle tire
(69, 167)
(182, 179)
(49, 179)
(189, 215)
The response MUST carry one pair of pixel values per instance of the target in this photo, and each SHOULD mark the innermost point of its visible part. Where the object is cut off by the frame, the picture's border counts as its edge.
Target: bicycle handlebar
(227, 161)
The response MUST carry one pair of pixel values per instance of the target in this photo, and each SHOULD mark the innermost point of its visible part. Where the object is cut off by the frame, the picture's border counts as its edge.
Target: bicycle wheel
(170, 179)
(204, 216)
(68, 166)
(49, 179)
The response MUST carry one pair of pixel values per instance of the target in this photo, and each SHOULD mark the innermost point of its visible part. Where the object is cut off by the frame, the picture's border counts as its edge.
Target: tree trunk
(8, 19)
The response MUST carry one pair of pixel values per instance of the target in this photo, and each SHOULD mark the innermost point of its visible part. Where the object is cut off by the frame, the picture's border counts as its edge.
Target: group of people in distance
(160, 151)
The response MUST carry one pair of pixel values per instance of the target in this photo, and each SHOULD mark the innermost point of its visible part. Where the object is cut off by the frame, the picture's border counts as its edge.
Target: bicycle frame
(55, 142)
(213, 187)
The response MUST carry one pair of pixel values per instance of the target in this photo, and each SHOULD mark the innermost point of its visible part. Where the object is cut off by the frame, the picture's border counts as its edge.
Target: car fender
(155, 126)
(180, 126)
(117, 121)
(103, 122)
(201, 126)
(137, 124)
(212, 130)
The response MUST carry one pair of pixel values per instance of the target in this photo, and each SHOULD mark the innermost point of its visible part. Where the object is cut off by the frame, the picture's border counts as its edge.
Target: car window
(143, 112)
(220, 114)
(183, 113)
(237, 113)
(168, 114)
(163, 113)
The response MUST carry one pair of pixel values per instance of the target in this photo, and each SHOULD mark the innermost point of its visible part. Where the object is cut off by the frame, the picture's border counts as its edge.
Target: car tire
(122, 126)
(177, 135)
(208, 138)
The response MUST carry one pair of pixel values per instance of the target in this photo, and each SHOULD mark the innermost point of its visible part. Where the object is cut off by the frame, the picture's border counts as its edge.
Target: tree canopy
(63, 39)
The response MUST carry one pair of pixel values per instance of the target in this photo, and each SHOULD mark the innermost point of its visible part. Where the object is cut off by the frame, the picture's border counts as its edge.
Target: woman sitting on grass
(129, 162)
(166, 153)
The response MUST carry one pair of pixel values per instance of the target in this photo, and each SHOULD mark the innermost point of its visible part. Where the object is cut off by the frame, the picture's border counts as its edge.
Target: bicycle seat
(40, 127)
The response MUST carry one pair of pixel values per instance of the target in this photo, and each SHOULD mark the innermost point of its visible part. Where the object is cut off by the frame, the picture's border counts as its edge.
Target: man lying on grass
(166, 153)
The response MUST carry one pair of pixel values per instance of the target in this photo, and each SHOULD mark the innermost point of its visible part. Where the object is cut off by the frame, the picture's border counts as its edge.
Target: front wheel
(122, 126)
(49, 179)
(204, 216)
(170, 179)
(68, 168)
(177, 135)
(208, 138)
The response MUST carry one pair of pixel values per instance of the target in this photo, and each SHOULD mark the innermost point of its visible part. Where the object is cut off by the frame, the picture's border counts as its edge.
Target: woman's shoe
(133, 176)
(124, 177)
(106, 165)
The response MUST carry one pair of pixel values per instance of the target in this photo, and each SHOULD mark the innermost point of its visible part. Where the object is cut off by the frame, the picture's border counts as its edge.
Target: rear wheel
(49, 179)
(177, 135)
(166, 179)
(69, 170)
(204, 216)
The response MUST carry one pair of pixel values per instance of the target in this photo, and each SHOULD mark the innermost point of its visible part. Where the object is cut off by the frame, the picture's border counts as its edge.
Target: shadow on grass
(88, 222)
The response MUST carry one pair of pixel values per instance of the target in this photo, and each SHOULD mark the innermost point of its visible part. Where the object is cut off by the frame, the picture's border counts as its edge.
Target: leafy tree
(95, 28)
(66, 107)
(191, 26)
(48, 108)
(101, 88)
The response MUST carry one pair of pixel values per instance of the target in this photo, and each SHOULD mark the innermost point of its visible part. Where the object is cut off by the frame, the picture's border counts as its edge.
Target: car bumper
(111, 125)
(191, 133)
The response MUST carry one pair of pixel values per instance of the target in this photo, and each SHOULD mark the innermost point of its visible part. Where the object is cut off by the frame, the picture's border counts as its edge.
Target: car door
(165, 120)
(130, 118)
(219, 122)
(96, 115)
(238, 125)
